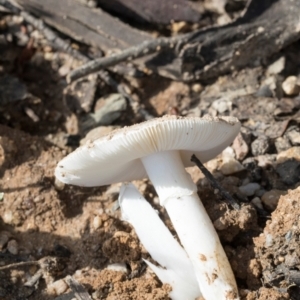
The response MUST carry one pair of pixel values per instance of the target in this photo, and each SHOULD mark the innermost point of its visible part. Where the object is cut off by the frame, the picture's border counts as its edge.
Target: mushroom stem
(178, 194)
(159, 242)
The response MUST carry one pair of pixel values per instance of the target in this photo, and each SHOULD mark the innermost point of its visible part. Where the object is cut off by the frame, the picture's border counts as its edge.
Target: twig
(143, 49)
(19, 265)
(215, 184)
(78, 289)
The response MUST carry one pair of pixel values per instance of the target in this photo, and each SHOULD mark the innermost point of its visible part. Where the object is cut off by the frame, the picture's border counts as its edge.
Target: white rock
(119, 267)
(228, 153)
(57, 287)
(294, 137)
(231, 166)
(277, 66)
(197, 88)
(291, 86)
(269, 240)
(222, 105)
(97, 222)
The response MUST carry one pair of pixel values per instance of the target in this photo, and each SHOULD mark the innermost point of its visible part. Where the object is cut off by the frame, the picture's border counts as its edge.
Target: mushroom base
(178, 194)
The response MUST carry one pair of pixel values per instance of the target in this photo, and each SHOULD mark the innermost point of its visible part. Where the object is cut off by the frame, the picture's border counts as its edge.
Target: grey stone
(249, 189)
(270, 199)
(264, 91)
(289, 171)
(257, 203)
(109, 109)
(260, 146)
(12, 247)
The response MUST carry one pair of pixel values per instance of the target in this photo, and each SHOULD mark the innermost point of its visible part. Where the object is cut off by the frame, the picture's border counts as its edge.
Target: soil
(68, 230)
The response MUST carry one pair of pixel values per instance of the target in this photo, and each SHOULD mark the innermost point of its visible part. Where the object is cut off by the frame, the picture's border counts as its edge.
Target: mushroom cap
(116, 157)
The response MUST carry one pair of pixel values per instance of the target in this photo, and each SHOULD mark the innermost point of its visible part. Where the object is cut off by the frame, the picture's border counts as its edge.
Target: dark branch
(143, 49)
(227, 197)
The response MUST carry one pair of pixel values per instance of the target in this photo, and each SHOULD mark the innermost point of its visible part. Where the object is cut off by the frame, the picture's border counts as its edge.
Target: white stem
(160, 243)
(178, 194)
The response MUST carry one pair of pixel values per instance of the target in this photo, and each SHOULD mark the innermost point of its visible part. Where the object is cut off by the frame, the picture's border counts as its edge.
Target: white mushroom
(161, 149)
(159, 242)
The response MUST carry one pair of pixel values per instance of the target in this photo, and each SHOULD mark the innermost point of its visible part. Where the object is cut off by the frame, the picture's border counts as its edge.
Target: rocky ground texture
(62, 230)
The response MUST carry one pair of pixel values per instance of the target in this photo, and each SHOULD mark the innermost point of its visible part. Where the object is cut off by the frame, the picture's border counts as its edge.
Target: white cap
(116, 157)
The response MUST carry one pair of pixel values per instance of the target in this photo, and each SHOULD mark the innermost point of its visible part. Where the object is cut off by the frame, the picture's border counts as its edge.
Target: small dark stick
(214, 183)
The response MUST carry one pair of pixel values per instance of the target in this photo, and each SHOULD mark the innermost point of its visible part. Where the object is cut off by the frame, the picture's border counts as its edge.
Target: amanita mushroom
(177, 268)
(161, 149)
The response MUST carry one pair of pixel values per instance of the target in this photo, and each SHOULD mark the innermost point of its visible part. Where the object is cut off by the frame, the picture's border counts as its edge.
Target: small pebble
(294, 136)
(221, 106)
(257, 203)
(270, 199)
(249, 189)
(12, 247)
(269, 240)
(268, 87)
(240, 147)
(221, 224)
(277, 66)
(8, 217)
(228, 153)
(57, 287)
(264, 91)
(97, 222)
(291, 86)
(59, 186)
(119, 267)
(266, 160)
(289, 171)
(260, 146)
(231, 166)
(282, 144)
(107, 110)
(293, 152)
(197, 88)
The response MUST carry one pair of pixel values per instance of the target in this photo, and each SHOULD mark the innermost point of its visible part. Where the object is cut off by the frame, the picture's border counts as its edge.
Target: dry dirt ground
(64, 230)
